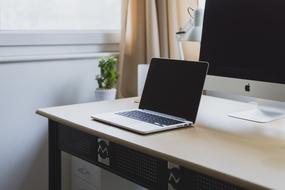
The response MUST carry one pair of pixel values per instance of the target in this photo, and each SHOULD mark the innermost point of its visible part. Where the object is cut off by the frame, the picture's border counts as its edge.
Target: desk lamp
(192, 31)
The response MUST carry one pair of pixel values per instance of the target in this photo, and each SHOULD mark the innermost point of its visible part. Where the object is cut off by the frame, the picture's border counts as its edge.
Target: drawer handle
(83, 171)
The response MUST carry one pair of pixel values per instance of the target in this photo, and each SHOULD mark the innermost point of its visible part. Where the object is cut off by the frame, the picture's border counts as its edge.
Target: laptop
(170, 98)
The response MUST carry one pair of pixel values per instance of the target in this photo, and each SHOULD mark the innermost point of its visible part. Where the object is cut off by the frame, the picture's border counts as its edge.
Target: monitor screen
(245, 39)
(174, 87)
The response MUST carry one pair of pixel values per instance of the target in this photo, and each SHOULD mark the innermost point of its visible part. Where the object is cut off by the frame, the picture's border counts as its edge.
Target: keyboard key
(149, 118)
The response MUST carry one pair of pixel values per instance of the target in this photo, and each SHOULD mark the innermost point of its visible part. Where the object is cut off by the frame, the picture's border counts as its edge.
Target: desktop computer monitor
(244, 42)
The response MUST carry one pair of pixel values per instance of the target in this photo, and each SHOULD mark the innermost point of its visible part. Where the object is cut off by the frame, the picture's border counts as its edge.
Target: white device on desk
(245, 50)
(170, 98)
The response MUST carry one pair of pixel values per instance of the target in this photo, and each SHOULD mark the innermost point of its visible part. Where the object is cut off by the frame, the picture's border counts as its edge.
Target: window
(60, 14)
(36, 22)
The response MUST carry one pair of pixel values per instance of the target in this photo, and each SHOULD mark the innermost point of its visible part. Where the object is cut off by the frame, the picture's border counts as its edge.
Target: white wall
(24, 87)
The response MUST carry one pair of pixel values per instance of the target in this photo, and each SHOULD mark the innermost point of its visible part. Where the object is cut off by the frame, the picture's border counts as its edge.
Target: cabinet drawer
(79, 184)
(86, 171)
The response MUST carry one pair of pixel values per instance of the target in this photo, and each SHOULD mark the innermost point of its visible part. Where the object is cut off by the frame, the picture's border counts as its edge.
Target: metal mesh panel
(204, 182)
(78, 143)
(137, 165)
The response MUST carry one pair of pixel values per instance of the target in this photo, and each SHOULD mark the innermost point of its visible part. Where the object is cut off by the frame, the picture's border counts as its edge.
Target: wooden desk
(218, 153)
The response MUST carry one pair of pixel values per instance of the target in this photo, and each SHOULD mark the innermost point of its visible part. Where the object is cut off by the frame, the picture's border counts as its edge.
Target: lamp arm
(179, 47)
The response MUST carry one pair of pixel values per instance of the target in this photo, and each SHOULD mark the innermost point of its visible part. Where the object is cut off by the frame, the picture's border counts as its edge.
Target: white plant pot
(105, 94)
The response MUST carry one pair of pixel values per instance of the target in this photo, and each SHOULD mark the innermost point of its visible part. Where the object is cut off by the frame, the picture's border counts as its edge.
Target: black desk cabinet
(142, 169)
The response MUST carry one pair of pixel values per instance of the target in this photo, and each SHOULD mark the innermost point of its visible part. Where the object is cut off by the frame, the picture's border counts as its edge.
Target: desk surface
(233, 150)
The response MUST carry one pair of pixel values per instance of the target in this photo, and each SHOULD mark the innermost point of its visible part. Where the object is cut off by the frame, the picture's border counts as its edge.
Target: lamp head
(195, 32)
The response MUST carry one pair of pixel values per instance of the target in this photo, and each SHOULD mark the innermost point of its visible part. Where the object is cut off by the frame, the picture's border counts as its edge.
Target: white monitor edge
(274, 93)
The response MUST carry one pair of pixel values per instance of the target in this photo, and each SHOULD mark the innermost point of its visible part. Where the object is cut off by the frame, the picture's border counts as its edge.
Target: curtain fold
(148, 30)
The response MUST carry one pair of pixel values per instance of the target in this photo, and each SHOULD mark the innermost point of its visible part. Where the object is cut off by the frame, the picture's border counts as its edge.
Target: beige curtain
(148, 30)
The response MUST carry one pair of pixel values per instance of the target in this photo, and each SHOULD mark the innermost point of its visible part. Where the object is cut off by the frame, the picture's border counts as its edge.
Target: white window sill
(34, 38)
(20, 46)
(55, 57)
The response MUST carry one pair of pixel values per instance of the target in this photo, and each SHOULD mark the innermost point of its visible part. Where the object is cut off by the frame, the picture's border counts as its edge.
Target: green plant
(109, 76)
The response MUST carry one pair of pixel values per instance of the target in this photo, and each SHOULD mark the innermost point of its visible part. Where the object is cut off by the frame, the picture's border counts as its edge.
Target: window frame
(58, 37)
(27, 46)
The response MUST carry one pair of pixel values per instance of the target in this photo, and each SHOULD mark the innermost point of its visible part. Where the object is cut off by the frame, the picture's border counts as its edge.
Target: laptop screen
(174, 87)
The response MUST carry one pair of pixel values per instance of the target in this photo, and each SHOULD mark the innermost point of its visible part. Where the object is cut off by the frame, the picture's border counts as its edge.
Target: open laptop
(170, 98)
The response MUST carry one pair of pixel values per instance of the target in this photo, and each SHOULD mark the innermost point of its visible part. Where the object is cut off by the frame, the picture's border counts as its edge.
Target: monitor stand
(265, 111)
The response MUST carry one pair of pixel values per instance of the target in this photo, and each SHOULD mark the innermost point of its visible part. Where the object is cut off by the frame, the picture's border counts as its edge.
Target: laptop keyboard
(149, 118)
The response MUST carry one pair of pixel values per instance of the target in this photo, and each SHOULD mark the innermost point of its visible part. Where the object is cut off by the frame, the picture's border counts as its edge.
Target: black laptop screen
(174, 87)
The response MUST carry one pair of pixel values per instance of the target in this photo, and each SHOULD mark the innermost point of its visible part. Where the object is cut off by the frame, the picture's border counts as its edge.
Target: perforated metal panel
(78, 143)
(204, 182)
(140, 167)
(192, 180)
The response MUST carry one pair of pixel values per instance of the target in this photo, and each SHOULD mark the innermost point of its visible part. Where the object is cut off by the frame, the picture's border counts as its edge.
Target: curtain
(148, 30)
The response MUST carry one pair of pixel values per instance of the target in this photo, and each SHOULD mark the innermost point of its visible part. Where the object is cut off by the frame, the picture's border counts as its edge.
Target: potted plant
(107, 79)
